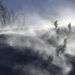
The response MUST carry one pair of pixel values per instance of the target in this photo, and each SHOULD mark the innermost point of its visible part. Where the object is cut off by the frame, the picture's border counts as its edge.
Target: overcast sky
(48, 9)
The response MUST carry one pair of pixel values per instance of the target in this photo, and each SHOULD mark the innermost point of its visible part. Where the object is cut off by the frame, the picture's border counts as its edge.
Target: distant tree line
(61, 48)
(4, 13)
(58, 29)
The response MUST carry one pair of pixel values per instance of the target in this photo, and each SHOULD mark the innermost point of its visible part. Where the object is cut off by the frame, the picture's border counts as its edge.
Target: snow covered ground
(37, 40)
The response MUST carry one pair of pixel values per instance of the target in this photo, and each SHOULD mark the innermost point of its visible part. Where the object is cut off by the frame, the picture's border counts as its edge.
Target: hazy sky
(48, 9)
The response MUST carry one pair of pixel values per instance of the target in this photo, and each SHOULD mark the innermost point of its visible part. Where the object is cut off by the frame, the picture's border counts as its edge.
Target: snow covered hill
(43, 43)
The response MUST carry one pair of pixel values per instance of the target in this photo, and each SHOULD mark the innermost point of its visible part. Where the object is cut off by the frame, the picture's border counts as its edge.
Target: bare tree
(61, 48)
(4, 13)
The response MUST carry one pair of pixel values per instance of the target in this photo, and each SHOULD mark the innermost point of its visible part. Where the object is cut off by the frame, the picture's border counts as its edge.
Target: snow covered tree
(4, 13)
(69, 27)
(56, 24)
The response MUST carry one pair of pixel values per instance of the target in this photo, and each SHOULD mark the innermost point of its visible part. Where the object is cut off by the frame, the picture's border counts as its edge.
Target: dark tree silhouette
(61, 48)
(69, 27)
(50, 59)
(4, 13)
(56, 24)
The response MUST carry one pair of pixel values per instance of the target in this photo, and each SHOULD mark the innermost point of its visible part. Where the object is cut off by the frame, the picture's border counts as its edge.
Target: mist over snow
(34, 34)
(33, 38)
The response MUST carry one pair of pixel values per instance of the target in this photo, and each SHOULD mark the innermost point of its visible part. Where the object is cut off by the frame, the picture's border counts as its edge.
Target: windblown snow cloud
(51, 10)
(32, 28)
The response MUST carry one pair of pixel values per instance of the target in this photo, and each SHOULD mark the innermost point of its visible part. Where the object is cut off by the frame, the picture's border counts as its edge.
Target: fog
(34, 29)
(33, 34)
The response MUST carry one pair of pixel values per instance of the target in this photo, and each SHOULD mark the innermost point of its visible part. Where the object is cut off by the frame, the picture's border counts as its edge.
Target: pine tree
(69, 27)
(56, 24)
